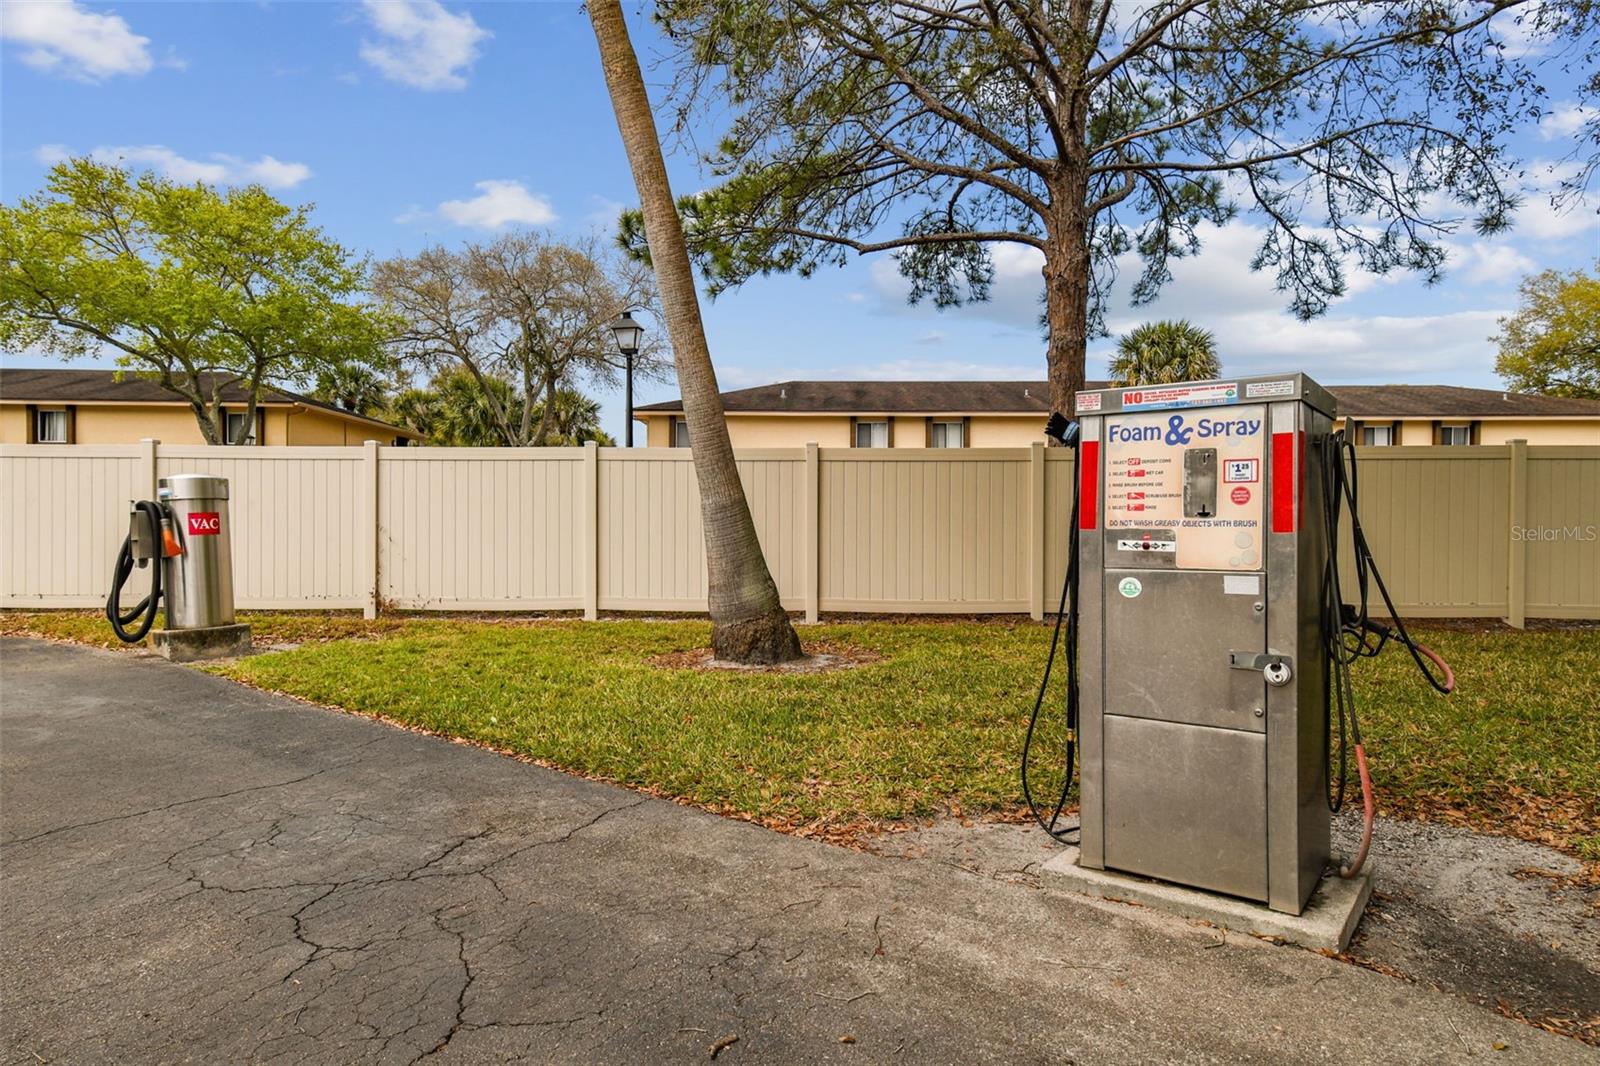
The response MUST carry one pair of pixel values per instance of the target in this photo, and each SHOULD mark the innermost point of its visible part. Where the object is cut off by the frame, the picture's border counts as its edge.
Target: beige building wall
(833, 431)
(118, 424)
(175, 424)
(1419, 432)
(13, 424)
(1005, 431)
(1019, 431)
(1539, 431)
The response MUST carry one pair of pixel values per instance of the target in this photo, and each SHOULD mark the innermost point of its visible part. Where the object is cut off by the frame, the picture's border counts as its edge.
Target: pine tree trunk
(1066, 257)
(1066, 298)
(749, 625)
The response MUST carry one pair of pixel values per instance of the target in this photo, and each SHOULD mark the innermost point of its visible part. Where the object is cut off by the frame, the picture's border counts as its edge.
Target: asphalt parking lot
(193, 871)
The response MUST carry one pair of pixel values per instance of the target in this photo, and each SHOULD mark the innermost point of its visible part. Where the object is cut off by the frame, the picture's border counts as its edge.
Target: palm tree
(1160, 353)
(354, 387)
(453, 411)
(575, 418)
(748, 624)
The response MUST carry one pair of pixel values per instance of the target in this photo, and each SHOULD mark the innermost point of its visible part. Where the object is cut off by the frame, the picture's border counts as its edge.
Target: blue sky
(410, 122)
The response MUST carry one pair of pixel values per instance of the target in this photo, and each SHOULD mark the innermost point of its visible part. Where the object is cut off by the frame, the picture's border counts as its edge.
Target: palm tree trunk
(748, 624)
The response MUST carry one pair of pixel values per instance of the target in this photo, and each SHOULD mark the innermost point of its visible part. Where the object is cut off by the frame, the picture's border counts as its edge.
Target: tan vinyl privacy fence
(1506, 531)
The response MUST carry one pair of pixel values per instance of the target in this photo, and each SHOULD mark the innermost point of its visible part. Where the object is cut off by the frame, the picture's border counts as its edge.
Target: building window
(872, 434)
(680, 433)
(947, 434)
(1455, 435)
(233, 421)
(1377, 436)
(50, 427)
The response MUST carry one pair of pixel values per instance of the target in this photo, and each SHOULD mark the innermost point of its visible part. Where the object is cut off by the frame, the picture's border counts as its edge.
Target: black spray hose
(143, 614)
(1067, 616)
(1351, 634)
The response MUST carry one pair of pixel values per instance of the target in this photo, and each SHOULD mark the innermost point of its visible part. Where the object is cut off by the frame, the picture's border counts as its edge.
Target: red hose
(1368, 806)
(1449, 675)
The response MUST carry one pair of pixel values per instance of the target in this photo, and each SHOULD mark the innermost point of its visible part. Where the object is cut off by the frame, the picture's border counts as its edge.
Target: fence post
(371, 528)
(1517, 553)
(590, 532)
(1036, 530)
(813, 564)
(147, 461)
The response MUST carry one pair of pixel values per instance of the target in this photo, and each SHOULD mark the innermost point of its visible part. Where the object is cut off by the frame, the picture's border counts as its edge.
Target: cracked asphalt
(192, 871)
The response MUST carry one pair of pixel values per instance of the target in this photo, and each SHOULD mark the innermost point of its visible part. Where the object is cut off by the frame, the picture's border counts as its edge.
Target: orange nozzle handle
(169, 541)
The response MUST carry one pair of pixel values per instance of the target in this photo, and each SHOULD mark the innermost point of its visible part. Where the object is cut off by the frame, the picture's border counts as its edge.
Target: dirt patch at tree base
(820, 657)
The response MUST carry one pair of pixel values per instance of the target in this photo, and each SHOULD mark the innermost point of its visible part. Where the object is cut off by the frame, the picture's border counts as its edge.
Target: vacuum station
(186, 533)
(1207, 642)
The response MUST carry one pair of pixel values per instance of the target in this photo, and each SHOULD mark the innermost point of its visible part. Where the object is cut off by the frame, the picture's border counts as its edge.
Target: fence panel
(924, 532)
(1560, 539)
(651, 550)
(296, 518)
(481, 528)
(1438, 522)
(65, 514)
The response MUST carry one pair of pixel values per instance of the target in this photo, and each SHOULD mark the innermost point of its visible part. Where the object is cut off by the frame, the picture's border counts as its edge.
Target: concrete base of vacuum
(1328, 922)
(190, 645)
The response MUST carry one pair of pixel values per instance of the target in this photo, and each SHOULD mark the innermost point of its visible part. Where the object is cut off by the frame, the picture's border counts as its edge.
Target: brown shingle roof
(1033, 397)
(50, 385)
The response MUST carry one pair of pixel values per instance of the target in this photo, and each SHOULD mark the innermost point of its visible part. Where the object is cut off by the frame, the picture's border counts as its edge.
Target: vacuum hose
(143, 614)
(1351, 634)
(1067, 617)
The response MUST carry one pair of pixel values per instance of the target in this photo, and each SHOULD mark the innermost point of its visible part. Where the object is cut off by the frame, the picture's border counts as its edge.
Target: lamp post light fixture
(627, 333)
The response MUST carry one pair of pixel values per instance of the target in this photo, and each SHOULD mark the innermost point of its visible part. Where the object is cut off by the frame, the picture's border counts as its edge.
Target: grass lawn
(934, 726)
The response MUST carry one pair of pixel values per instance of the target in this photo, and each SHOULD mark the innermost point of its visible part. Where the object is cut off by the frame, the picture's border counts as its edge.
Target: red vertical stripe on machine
(1285, 482)
(1088, 483)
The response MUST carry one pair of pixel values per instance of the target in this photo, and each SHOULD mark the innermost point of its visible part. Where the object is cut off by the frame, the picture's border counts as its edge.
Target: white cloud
(603, 212)
(217, 169)
(1489, 262)
(1218, 291)
(1564, 120)
(499, 203)
(1440, 348)
(933, 336)
(421, 43)
(62, 38)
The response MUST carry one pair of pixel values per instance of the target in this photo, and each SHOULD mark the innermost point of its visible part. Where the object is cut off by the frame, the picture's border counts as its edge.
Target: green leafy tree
(1358, 132)
(200, 290)
(1552, 343)
(1160, 353)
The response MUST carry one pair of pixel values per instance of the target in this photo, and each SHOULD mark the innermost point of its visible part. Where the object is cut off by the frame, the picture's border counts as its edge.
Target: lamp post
(627, 332)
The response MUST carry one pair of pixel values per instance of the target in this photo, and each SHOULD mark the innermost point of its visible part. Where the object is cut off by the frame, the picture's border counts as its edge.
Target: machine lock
(1278, 670)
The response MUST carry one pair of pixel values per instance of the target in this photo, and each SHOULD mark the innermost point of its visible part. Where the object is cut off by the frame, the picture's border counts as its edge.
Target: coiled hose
(143, 614)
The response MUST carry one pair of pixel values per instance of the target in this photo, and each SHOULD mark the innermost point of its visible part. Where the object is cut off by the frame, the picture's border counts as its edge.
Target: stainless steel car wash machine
(186, 531)
(1202, 550)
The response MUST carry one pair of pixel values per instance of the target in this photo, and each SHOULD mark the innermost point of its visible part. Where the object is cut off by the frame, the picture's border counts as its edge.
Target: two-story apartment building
(54, 406)
(992, 414)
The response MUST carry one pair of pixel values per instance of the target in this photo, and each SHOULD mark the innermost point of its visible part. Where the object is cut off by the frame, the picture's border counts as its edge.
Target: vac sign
(204, 523)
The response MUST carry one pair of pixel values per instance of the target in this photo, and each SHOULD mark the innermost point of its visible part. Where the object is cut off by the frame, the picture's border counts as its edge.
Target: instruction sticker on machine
(1193, 472)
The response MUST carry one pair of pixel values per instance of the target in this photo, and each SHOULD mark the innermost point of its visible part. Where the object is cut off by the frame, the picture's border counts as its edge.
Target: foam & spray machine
(1207, 642)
